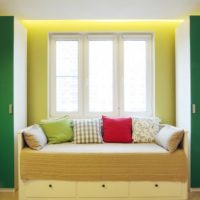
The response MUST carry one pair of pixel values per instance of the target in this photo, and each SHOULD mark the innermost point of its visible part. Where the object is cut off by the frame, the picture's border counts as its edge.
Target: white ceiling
(100, 9)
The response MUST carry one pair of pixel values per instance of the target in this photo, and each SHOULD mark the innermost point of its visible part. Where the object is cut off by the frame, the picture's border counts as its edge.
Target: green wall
(6, 98)
(38, 60)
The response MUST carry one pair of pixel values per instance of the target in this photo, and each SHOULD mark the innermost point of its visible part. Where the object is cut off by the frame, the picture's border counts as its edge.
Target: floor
(193, 196)
(14, 196)
(8, 196)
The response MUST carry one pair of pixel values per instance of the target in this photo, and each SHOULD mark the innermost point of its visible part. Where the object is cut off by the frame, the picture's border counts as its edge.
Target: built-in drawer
(155, 189)
(102, 189)
(50, 189)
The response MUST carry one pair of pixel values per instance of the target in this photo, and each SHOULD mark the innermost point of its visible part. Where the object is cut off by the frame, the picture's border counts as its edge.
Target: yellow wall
(38, 60)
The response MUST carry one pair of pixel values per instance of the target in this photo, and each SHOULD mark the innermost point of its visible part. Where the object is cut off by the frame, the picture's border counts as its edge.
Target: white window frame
(102, 37)
(118, 73)
(52, 72)
(148, 38)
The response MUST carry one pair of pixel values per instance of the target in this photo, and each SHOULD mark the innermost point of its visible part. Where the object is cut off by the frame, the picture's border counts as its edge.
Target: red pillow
(117, 129)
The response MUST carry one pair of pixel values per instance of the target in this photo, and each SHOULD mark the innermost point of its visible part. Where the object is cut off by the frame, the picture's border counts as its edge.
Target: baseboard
(194, 189)
(7, 189)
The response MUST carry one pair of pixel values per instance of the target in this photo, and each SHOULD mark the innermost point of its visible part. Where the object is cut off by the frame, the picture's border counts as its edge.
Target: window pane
(67, 58)
(67, 76)
(134, 76)
(66, 94)
(100, 76)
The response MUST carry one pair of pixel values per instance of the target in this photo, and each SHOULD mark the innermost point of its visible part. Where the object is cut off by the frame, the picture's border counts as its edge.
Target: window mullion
(120, 76)
(52, 78)
(81, 76)
(86, 74)
(149, 78)
(117, 76)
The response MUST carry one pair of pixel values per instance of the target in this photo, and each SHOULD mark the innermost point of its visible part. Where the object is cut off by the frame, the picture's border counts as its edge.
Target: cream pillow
(35, 137)
(145, 129)
(169, 137)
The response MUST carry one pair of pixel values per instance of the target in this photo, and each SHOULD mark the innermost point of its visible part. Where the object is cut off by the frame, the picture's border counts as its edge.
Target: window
(95, 74)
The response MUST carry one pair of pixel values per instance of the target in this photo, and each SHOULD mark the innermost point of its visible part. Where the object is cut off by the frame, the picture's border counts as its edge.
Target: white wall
(183, 85)
(20, 83)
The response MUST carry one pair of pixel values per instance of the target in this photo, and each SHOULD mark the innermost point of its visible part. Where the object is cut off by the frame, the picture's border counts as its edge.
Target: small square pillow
(117, 130)
(58, 131)
(145, 129)
(35, 137)
(87, 131)
(169, 137)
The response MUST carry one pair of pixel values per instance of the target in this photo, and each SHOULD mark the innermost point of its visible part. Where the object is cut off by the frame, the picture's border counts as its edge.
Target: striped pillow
(87, 131)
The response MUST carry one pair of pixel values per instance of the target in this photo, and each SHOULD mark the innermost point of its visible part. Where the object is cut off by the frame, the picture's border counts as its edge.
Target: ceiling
(100, 9)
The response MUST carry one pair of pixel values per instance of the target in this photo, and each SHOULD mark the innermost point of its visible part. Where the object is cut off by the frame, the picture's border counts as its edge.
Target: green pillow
(58, 131)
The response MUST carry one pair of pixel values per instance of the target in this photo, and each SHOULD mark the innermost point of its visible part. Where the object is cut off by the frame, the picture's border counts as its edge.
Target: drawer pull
(156, 185)
(50, 186)
(103, 186)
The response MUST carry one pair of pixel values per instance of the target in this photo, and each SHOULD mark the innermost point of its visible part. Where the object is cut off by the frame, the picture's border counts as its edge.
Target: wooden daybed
(102, 171)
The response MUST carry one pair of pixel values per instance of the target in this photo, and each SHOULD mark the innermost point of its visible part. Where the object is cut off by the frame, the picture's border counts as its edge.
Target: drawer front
(102, 189)
(155, 189)
(49, 189)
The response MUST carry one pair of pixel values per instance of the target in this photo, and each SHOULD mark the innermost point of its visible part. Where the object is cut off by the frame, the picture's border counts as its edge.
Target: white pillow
(35, 137)
(169, 137)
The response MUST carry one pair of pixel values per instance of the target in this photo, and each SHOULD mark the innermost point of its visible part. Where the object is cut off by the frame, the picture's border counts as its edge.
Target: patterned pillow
(145, 129)
(87, 131)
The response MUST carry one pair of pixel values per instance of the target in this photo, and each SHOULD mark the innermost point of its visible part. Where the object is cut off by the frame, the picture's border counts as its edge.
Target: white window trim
(149, 70)
(118, 104)
(52, 77)
(98, 37)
